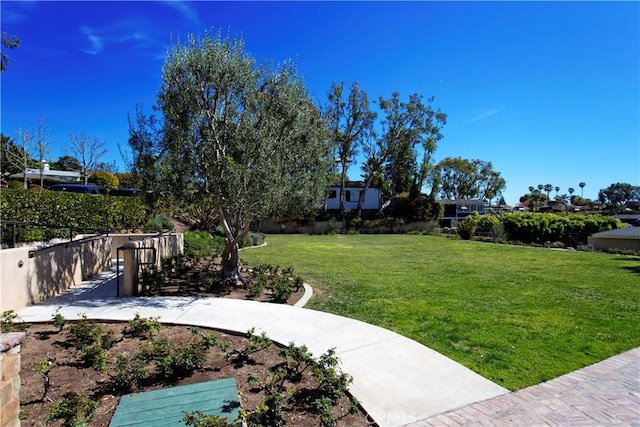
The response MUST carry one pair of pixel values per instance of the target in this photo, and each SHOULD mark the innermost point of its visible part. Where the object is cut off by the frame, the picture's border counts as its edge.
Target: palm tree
(581, 185)
(571, 190)
(557, 189)
(547, 189)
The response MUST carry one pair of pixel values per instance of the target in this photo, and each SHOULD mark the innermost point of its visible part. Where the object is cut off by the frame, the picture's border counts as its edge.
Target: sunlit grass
(516, 315)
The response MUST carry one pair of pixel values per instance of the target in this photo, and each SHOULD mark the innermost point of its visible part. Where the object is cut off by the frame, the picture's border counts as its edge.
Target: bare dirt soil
(70, 374)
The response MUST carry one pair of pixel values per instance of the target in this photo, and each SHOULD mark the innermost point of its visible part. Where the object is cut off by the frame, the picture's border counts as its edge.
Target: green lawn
(516, 315)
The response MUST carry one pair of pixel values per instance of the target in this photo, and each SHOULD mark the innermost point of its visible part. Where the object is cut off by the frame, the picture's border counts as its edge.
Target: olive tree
(244, 135)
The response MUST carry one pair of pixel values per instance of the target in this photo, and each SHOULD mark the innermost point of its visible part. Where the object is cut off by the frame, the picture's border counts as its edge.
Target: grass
(516, 315)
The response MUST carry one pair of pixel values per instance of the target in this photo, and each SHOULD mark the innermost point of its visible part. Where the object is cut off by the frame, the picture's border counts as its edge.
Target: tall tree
(42, 146)
(548, 188)
(244, 135)
(7, 42)
(617, 195)
(350, 121)
(582, 185)
(145, 134)
(20, 158)
(14, 159)
(410, 133)
(66, 163)
(88, 151)
(468, 179)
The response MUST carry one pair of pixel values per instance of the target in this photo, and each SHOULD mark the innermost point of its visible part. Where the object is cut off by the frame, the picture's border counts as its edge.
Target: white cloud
(96, 42)
(186, 10)
(484, 115)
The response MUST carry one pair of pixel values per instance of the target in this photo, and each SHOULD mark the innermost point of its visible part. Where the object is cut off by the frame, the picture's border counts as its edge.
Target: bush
(158, 223)
(70, 210)
(466, 228)
(200, 244)
(74, 410)
(106, 179)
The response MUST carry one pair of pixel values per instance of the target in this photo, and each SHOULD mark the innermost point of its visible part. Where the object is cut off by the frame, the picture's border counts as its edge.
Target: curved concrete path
(396, 380)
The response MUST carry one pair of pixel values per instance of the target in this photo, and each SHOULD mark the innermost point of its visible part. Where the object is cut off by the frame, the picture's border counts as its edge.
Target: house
(455, 210)
(620, 238)
(352, 189)
(49, 175)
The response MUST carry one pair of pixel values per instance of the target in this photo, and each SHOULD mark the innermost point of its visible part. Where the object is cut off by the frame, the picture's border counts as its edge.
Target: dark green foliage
(74, 410)
(198, 419)
(200, 244)
(144, 327)
(7, 321)
(68, 210)
(466, 228)
(152, 278)
(569, 229)
(242, 356)
(85, 332)
(130, 371)
(281, 289)
(252, 239)
(158, 223)
(59, 320)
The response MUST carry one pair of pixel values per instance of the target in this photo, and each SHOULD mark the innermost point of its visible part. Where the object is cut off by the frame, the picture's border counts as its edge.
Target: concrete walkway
(399, 382)
(396, 380)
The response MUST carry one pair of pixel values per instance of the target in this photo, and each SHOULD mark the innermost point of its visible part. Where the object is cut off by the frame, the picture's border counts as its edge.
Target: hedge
(58, 208)
(570, 229)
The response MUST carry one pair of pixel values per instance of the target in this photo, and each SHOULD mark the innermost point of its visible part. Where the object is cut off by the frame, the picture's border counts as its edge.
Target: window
(352, 195)
(333, 194)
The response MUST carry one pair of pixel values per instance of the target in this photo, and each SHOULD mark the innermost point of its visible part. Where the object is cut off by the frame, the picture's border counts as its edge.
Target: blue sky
(548, 92)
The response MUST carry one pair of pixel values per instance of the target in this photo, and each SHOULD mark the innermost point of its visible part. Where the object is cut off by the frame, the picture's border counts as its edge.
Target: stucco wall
(604, 243)
(150, 250)
(28, 280)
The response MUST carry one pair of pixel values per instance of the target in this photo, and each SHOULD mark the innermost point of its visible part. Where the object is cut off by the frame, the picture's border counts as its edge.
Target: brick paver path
(604, 394)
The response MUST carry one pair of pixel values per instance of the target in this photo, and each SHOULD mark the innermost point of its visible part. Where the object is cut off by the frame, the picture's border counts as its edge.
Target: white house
(49, 175)
(352, 189)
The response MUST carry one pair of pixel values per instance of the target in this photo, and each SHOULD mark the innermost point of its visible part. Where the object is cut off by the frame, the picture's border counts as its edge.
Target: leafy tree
(8, 42)
(88, 150)
(410, 133)
(468, 179)
(350, 121)
(617, 195)
(246, 136)
(107, 179)
(144, 143)
(66, 163)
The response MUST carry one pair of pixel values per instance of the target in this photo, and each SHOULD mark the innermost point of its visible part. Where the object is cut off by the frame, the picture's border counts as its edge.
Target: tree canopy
(244, 135)
(617, 195)
(468, 179)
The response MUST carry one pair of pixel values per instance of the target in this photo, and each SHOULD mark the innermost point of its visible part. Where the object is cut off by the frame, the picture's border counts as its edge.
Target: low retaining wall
(29, 275)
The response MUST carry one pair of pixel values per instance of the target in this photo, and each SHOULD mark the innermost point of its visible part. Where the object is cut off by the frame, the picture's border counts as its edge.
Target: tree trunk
(231, 263)
(342, 180)
(363, 193)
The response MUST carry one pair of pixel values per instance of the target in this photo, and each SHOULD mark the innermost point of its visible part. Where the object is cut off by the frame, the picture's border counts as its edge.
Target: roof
(351, 184)
(620, 233)
(463, 202)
